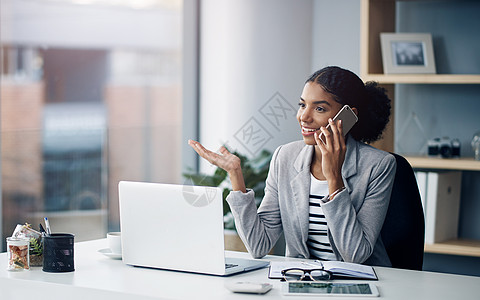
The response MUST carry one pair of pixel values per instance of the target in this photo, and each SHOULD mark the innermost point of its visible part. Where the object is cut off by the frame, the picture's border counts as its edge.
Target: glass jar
(17, 254)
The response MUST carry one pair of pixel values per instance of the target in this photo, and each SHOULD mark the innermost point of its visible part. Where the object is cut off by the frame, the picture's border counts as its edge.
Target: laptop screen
(176, 227)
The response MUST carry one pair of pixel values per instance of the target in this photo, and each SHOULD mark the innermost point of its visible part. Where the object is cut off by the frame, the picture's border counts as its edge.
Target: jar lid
(15, 241)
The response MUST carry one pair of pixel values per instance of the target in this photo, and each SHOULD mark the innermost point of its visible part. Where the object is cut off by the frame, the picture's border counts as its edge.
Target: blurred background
(97, 91)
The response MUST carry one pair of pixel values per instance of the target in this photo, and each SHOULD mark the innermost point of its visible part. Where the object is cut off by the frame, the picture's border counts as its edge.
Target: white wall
(336, 34)
(252, 52)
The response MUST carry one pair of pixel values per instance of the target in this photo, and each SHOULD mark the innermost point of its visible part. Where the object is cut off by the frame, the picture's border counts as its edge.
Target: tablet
(330, 289)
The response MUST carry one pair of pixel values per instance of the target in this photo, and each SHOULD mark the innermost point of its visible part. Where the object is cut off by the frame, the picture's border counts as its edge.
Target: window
(90, 95)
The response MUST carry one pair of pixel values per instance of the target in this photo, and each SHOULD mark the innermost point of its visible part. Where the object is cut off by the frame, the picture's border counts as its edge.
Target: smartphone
(348, 117)
(314, 288)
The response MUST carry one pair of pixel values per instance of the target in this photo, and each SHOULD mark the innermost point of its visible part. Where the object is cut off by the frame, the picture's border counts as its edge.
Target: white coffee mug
(115, 242)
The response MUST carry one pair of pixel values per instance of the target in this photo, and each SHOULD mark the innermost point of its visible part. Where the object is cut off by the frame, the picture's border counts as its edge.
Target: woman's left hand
(333, 153)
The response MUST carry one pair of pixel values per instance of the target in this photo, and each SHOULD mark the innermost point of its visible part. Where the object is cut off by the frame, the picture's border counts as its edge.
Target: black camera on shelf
(444, 147)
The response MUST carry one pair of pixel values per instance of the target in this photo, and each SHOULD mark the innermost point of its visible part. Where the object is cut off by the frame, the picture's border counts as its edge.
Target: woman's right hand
(225, 160)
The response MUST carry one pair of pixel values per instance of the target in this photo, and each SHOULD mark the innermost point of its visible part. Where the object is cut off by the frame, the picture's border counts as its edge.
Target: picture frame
(407, 53)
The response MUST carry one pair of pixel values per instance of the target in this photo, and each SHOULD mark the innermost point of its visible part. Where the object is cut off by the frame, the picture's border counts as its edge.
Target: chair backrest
(403, 232)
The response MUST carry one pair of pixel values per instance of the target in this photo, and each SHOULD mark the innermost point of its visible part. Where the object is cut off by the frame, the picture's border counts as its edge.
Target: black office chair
(403, 232)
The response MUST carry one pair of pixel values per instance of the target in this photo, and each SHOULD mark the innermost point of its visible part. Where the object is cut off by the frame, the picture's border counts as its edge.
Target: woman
(328, 198)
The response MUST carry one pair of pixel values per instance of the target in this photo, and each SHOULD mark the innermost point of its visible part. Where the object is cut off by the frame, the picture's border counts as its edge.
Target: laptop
(176, 227)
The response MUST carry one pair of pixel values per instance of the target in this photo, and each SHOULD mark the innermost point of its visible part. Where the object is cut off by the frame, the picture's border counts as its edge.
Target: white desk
(99, 277)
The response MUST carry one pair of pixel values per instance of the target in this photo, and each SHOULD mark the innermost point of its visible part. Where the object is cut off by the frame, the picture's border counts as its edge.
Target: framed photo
(407, 53)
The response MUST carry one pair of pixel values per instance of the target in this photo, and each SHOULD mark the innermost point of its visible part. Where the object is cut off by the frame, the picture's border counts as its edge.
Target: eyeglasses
(295, 274)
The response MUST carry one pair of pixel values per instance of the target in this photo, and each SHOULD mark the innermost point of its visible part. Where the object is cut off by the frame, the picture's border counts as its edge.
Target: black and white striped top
(318, 242)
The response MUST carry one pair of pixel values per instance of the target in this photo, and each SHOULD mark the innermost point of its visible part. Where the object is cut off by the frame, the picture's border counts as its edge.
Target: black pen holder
(58, 253)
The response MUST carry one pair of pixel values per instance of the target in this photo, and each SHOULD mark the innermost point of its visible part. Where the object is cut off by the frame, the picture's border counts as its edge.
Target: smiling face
(316, 106)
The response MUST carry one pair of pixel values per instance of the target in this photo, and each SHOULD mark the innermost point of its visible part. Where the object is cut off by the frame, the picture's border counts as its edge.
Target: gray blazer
(355, 216)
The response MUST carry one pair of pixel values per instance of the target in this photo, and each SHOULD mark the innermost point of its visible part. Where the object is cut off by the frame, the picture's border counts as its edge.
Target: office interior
(97, 91)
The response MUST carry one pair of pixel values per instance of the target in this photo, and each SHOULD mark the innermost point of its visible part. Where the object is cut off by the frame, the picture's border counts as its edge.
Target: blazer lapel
(349, 167)
(300, 185)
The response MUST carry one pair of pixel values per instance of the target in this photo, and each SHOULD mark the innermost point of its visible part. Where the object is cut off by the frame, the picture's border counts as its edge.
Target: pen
(42, 230)
(47, 225)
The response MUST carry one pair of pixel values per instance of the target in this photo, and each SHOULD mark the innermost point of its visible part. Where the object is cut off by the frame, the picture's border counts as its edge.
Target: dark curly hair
(371, 101)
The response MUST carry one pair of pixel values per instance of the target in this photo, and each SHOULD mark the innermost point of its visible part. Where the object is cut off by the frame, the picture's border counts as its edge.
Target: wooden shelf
(423, 78)
(378, 16)
(455, 247)
(461, 164)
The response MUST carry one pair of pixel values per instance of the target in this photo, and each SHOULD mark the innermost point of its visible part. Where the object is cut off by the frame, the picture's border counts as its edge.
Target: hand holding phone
(348, 117)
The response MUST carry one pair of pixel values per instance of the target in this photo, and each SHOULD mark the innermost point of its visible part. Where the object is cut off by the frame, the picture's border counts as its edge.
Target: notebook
(176, 227)
(339, 269)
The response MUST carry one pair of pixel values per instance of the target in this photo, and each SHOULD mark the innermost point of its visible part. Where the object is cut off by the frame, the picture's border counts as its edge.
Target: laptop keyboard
(228, 266)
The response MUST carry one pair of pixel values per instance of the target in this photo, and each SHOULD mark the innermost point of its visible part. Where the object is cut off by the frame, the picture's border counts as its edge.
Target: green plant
(35, 247)
(255, 172)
